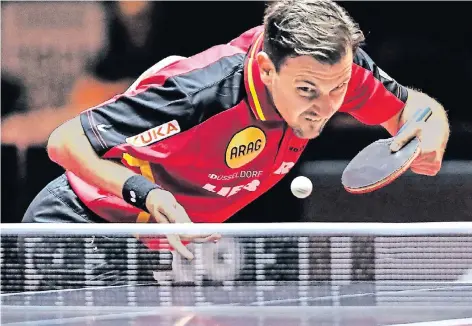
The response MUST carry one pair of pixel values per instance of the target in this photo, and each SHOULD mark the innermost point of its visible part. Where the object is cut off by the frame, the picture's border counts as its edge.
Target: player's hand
(433, 134)
(163, 206)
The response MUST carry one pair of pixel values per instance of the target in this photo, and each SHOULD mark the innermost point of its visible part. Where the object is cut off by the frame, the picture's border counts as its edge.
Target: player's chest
(234, 149)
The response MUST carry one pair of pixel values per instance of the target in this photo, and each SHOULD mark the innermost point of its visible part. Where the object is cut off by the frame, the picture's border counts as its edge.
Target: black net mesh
(238, 271)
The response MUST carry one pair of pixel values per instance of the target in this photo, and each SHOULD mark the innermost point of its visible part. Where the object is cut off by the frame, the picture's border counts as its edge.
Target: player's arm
(69, 147)
(415, 101)
(81, 151)
(377, 99)
(85, 145)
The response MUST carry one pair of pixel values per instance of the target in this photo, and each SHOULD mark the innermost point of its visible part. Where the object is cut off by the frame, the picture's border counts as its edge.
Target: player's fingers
(214, 238)
(174, 240)
(202, 239)
(175, 213)
(425, 157)
(160, 217)
(168, 214)
(182, 216)
(179, 247)
(431, 160)
(428, 173)
(410, 129)
(403, 137)
(194, 238)
(426, 169)
(427, 164)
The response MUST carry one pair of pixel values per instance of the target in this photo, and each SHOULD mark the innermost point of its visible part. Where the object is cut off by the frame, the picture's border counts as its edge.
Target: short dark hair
(319, 28)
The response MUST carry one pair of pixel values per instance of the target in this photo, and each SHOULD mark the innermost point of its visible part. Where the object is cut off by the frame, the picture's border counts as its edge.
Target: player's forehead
(302, 68)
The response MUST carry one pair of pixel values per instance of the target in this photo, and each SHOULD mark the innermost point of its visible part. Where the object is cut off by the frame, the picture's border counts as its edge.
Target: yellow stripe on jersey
(252, 88)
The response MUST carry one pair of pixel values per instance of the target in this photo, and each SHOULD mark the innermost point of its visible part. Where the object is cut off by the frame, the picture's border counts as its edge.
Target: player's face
(306, 92)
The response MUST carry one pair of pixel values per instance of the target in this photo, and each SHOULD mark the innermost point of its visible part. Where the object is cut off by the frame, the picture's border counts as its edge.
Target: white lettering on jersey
(155, 134)
(230, 191)
(241, 174)
(284, 168)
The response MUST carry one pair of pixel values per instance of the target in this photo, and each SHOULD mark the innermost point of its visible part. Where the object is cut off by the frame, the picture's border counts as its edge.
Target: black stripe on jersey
(190, 98)
(215, 88)
(363, 60)
(109, 125)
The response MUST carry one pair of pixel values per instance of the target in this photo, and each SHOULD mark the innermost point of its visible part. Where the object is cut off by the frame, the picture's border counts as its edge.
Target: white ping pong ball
(301, 187)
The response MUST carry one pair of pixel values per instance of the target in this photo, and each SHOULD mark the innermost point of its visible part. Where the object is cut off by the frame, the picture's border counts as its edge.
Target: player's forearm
(70, 148)
(107, 175)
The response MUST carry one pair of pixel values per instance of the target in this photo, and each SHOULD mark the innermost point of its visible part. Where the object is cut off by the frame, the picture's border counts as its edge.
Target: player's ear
(266, 67)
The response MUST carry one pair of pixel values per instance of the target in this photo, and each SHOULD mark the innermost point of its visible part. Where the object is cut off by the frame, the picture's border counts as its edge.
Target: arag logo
(244, 147)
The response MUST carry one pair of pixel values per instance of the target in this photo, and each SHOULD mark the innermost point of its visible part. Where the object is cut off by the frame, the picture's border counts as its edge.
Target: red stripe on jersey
(196, 62)
(245, 40)
(368, 100)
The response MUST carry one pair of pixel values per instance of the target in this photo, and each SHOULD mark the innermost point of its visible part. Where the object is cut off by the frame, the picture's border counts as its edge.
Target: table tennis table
(149, 304)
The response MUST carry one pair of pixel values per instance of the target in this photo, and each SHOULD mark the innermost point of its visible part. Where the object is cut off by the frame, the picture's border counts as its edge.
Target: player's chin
(308, 131)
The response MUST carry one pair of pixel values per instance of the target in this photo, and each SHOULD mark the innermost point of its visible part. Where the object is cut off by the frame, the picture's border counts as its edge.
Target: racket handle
(420, 115)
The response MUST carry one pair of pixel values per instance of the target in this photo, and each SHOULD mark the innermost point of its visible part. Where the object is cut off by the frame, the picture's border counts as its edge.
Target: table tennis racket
(376, 165)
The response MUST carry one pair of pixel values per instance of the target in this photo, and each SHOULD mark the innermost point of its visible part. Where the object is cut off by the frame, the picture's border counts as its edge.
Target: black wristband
(136, 189)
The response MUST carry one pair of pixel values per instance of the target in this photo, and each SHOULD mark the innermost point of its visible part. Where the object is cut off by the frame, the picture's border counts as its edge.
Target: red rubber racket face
(376, 166)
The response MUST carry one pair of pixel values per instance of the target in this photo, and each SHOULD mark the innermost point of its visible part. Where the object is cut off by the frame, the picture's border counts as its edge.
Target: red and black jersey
(204, 129)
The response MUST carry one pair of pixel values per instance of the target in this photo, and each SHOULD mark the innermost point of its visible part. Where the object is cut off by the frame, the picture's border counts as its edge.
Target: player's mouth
(313, 118)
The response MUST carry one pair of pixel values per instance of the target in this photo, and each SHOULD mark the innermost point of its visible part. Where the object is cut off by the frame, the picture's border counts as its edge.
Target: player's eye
(306, 91)
(340, 87)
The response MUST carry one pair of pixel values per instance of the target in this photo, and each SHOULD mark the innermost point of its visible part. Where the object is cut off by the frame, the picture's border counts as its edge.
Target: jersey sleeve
(126, 117)
(246, 39)
(373, 97)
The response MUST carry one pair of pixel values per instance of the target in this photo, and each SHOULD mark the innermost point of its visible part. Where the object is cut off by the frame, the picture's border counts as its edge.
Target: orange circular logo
(244, 147)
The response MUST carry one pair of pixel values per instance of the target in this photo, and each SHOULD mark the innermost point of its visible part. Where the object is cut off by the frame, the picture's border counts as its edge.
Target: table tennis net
(263, 269)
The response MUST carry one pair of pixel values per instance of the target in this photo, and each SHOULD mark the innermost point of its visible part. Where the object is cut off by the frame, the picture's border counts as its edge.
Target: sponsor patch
(236, 175)
(230, 191)
(244, 147)
(155, 134)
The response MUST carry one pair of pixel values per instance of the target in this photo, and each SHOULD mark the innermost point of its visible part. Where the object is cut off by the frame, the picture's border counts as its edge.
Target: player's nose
(325, 108)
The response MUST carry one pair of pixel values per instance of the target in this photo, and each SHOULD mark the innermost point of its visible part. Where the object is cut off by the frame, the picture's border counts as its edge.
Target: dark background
(424, 45)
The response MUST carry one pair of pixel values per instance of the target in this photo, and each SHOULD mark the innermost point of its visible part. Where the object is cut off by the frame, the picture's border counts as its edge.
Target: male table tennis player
(196, 139)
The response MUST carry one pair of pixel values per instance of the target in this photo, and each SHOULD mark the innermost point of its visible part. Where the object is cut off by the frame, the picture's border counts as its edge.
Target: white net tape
(247, 229)
(311, 264)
